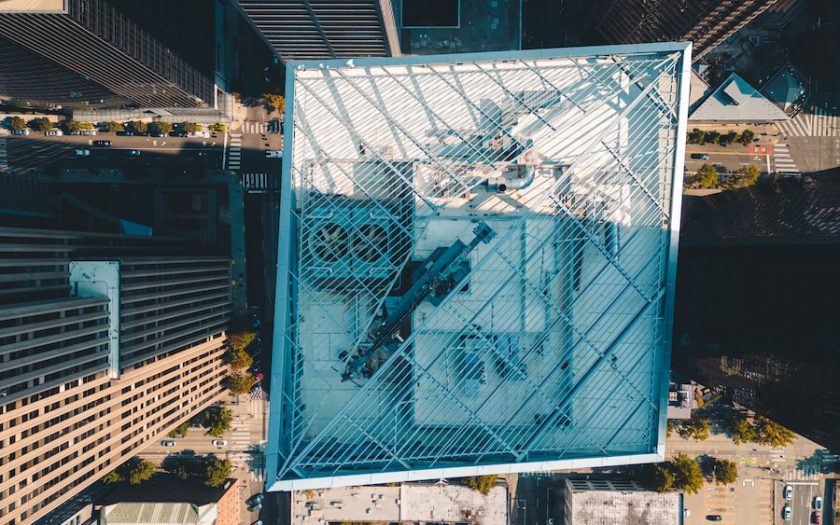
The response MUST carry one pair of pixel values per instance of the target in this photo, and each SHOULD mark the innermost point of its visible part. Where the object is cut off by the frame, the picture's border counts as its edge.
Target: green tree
(163, 127)
(184, 465)
(17, 123)
(114, 126)
(696, 136)
(218, 421)
(707, 176)
(728, 138)
(219, 127)
(663, 479)
(274, 101)
(742, 432)
(113, 477)
(482, 484)
(240, 382)
(712, 137)
(191, 127)
(41, 124)
(241, 340)
(134, 471)
(696, 428)
(725, 471)
(138, 126)
(747, 137)
(180, 430)
(240, 359)
(747, 176)
(216, 472)
(687, 474)
(72, 126)
(85, 125)
(771, 433)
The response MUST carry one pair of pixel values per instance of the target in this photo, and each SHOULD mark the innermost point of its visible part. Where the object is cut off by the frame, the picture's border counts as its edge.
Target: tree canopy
(681, 473)
(762, 431)
(17, 123)
(217, 421)
(240, 359)
(707, 176)
(216, 471)
(191, 127)
(240, 382)
(114, 126)
(725, 471)
(163, 127)
(241, 340)
(138, 126)
(180, 430)
(482, 484)
(72, 125)
(134, 471)
(41, 124)
(696, 428)
(274, 101)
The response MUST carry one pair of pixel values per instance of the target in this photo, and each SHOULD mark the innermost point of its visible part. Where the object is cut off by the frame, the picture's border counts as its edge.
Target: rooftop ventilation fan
(329, 243)
(370, 243)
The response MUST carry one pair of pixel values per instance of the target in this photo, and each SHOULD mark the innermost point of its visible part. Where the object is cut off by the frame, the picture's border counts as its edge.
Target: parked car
(255, 507)
(258, 377)
(256, 498)
(786, 513)
(714, 517)
(83, 153)
(54, 133)
(273, 154)
(88, 132)
(167, 443)
(125, 133)
(219, 442)
(103, 143)
(157, 134)
(258, 522)
(818, 503)
(700, 156)
(177, 133)
(21, 132)
(816, 518)
(787, 492)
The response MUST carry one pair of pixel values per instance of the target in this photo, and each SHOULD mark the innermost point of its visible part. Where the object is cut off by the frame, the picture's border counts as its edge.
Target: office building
(705, 23)
(476, 264)
(89, 53)
(106, 343)
(407, 503)
(619, 502)
(312, 29)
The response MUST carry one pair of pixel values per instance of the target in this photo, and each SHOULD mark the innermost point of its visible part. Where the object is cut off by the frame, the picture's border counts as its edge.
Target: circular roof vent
(370, 243)
(329, 242)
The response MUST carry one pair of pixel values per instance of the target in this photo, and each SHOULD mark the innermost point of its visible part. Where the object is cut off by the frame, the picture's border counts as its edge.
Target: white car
(787, 493)
(787, 513)
(167, 443)
(219, 442)
(83, 153)
(273, 154)
(54, 133)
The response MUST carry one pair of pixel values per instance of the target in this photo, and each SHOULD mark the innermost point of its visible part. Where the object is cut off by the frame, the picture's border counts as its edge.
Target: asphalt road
(39, 151)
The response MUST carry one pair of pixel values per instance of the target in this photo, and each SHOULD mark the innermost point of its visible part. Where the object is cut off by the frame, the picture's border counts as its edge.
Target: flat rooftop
(476, 263)
(605, 502)
(409, 503)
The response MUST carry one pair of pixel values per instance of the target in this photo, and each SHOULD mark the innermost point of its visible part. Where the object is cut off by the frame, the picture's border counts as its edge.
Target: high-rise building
(106, 342)
(90, 53)
(705, 23)
(476, 264)
(311, 29)
(757, 300)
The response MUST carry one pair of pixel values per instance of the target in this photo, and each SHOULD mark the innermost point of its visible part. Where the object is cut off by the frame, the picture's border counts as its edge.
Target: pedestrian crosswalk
(256, 393)
(4, 163)
(254, 128)
(240, 439)
(260, 182)
(234, 151)
(782, 161)
(819, 122)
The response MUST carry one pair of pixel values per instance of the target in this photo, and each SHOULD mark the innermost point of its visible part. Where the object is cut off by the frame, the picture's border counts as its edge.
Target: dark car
(700, 156)
(103, 143)
(714, 517)
(133, 153)
(177, 133)
(125, 133)
(157, 134)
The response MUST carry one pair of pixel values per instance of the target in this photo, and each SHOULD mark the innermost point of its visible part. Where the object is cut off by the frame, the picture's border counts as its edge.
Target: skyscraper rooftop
(476, 263)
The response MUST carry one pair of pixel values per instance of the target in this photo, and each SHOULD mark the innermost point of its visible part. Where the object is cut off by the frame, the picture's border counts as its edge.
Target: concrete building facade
(100, 57)
(103, 347)
(706, 23)
(619, 502)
